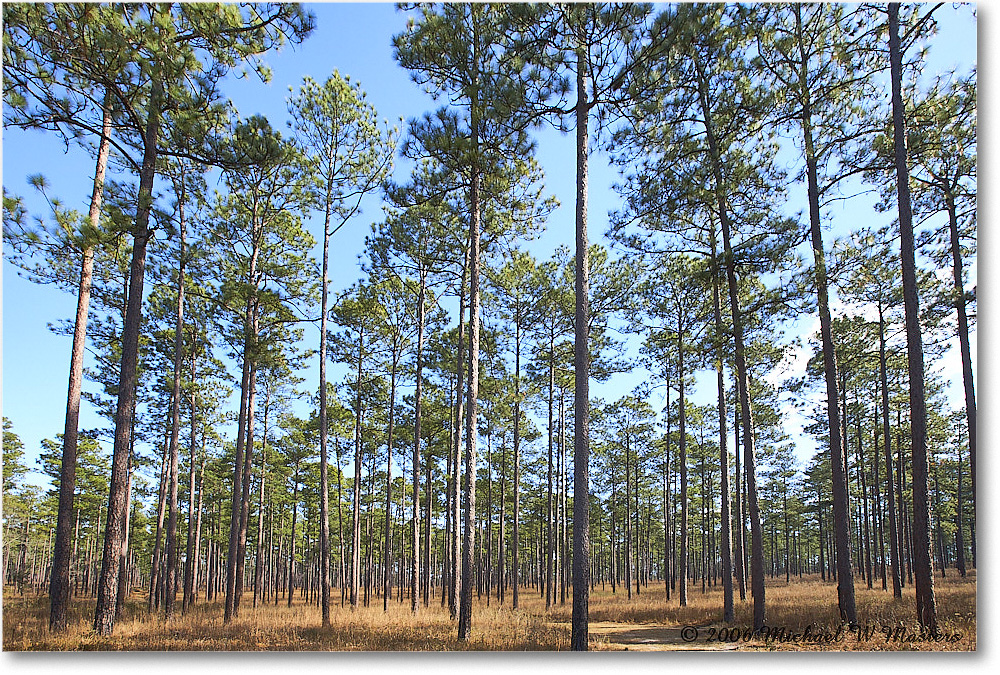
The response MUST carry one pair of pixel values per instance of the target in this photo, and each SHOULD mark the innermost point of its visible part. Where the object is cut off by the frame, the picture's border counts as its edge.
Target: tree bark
(516, 570)
(887, 438)
(471, 427)
(923, 573)
(356, 520)
(386, 550)
(59, 588)
(175, 414)
(728, 612)
(324, 482)
(749, 460)
(963, 341)
(579, 638)
(114, 534)
(189, 549)
(415, 543)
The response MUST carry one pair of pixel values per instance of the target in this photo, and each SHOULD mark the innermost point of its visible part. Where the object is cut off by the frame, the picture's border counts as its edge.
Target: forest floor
(800, 616)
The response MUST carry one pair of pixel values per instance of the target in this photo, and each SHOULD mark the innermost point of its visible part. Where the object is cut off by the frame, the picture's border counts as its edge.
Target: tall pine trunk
(579, 637)
(963, 341)
(922, 569)
(894, 552)
(386, 550)
(728, 612)
(59, 588)
(743, 389)
(415, 542)
(175, 414)
(472, 410)
(324, 481)
(114, 533)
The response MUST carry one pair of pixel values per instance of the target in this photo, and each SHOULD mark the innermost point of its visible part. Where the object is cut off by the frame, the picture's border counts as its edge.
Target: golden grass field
(646, 623)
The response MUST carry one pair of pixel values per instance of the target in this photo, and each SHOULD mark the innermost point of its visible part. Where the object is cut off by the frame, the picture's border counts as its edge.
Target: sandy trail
(613, 636)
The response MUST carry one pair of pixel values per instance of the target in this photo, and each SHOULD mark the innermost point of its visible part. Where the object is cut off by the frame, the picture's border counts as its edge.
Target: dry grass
(279, 628)
(645, 622)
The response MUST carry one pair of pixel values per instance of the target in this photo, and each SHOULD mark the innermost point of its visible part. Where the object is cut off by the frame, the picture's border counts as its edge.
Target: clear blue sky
(356, 40)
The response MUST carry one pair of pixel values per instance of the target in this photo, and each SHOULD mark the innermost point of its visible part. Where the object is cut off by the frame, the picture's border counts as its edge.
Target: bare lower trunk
(743, 389)
(579, 638)
(175, 413)
(887, 438)
(415, 542)
(324, 490)
(728, 612)
(964, 348)
(471, 427)
(59, 587)
(923, 573)
(356, 521)
(114, 533)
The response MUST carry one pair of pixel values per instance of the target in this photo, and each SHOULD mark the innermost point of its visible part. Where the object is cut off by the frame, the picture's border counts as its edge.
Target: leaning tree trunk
(59, 588)
(922, 566)
(114, 533)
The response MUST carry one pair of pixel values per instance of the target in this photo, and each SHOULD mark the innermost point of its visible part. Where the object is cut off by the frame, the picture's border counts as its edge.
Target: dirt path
(614, 636)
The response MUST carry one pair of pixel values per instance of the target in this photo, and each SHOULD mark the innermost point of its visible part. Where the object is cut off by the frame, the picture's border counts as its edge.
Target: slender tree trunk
(579, 639)
(189, 548)
(247, 474)
(841, 516)
(154, 573)
(887, 439)
(455, 587)
(243, 424)
(682, 417)
(175, 413)
(749, 460)
(516, 569)
(197, 532)
(468, 550)
(123, 586)
(324, 481)
(963, 341)
(924, 577)
(114, 534)
(959, 534)
(291, 542)
(258, 562)
(415, 543)
(59, 588)
(387, 551)
(428, 501)
(356, 521)
(728, 612)
(550, 550)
